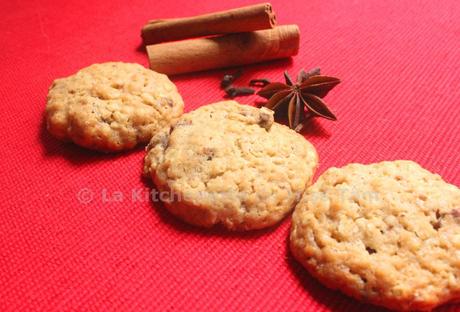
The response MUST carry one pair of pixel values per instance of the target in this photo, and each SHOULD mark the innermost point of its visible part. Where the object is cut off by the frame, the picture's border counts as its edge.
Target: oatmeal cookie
(386, 233)
(111, 106)
(231, 164)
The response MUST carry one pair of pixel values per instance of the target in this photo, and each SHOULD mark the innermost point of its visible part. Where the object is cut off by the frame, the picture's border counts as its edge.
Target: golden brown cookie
(386, 233)
(231, 164)
(111, 106)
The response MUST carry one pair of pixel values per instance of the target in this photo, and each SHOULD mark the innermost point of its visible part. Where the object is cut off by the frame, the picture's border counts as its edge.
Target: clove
(228, 79)
(238, 91)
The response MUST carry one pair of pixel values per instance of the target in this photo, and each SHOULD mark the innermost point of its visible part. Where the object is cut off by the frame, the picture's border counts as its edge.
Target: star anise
(307, 93)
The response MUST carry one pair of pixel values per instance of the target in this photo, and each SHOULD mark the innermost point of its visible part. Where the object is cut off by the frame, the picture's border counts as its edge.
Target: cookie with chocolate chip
(230, 164)
(387, 233)
(111, 106)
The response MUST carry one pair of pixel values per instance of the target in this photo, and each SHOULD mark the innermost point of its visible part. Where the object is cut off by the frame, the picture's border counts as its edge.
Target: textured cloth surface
(77, 229)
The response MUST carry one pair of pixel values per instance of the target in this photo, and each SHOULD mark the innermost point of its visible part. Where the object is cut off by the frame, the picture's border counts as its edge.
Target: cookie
(386, 233)
(230, 164)
(111, 106)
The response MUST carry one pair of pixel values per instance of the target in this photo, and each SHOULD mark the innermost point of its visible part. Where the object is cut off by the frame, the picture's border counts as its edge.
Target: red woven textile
(67, 244)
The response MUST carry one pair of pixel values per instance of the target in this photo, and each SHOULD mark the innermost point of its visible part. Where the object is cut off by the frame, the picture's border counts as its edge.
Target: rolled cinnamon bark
(249, 18)
(225, 51)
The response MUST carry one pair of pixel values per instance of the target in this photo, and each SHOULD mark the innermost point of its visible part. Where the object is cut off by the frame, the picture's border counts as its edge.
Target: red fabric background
(400, 66)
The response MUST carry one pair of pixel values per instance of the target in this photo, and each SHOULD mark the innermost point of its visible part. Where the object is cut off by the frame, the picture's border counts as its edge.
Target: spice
(238, 91)
(200, 54)
(248, 18)
(231, 90)
(228, 79)
(307, 93)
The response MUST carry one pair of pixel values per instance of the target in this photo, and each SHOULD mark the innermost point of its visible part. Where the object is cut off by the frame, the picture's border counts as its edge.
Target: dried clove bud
(238, 91)
(228, 79)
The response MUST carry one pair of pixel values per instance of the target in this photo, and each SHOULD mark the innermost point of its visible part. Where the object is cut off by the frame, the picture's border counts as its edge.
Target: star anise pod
(307, 93)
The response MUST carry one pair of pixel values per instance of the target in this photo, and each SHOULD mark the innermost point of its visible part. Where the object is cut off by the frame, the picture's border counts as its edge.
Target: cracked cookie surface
(111, 106)
(231, 164)
(386, 233)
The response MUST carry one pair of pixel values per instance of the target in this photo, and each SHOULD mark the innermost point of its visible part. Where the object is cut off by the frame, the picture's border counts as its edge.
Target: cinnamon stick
(249, 18)
(224, 51)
